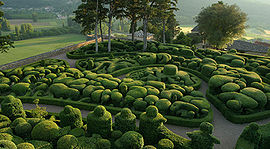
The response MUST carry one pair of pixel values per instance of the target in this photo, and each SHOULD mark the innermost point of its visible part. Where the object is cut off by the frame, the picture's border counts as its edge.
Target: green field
(31, 47)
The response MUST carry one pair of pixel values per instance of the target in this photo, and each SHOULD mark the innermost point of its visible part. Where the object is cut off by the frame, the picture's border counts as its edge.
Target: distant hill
(37, 3)
(258, 10)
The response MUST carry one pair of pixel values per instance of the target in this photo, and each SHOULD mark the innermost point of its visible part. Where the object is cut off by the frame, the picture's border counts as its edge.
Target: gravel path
(226, 131)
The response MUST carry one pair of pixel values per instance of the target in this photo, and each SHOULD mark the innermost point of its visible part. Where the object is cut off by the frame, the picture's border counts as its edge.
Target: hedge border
(196, 86)
(192, 123)
(236, 118)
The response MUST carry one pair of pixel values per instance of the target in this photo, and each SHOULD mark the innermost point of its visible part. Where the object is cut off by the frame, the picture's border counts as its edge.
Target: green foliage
(130, 139)
(150, 121)
(68, 142)
(7, 144)
(9, 137)
(256, 94)
(125, 121)
(103, 144)
(163, 105)
(4, 121)
(38, 112)
(20, 89)
(45, 131)
(223, 30)
(23, 129)
(251, 133)
(41, 144)
(165, 144)
(71, 117)
(181, 38)
(230, 87)
(170, 69)
(12, 107)
(203, 138)
(25, 146)
(99, 121)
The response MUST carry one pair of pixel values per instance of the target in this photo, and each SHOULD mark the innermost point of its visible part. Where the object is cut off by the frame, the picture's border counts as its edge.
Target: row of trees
(5, 42)
(92, 13)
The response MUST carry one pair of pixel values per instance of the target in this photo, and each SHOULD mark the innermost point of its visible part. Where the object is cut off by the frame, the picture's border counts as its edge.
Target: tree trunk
(164, 30)
(100, 28)
(145, 20)
(96, 28)
(132, 29)
(109, 32)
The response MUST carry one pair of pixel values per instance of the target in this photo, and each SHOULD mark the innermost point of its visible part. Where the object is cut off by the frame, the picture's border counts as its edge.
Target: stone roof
(248, 46)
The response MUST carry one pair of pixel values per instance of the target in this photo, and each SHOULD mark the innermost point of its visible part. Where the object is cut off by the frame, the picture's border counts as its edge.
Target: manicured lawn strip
(31, 47)
(114, 110)
(236, 118)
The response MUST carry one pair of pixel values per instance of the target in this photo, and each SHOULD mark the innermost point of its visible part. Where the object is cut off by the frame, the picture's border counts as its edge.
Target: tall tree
(102, 15)
(115, 10)
(147, 9)
(221, 23)
(131, 11)
(165, 9)
(5, 42)
(87, 16)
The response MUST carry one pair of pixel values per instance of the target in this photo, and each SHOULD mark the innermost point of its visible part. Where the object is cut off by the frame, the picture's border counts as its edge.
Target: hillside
(258, 11)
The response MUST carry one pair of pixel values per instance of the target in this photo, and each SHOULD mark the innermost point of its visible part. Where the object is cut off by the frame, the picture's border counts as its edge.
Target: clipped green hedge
(114, 110)
(233, 117)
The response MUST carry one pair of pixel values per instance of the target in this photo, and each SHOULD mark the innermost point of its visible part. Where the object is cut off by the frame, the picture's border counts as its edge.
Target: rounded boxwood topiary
(125, 121)
(71, 117)
(25, 146)
(150, 122)
(12, 107)
(149, 147)
(99, 121)
(230, 87)
(234, 105)
(237, 63)
(103, 144)
(130, 139)
(170, 69)
(140, 105)
(41, 144)
(151, 99)
(23, 129)
(165, 144)
(20, 89)
(77, 132)
(4, 121)
(163, 105)
(116, 134)
(45, 131)
(6, 144)
(17, 121)
(256, 94)
(13, 138)
(68, 142)
(4, 88)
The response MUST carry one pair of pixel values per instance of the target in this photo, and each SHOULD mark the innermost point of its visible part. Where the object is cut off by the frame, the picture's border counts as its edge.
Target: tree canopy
(221, 23)
(5, 42)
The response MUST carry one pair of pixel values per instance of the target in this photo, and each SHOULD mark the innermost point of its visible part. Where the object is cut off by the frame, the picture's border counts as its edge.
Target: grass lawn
(31, 47)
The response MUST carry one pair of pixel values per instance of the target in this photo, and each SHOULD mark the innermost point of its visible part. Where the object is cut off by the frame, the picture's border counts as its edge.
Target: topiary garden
(164, 81)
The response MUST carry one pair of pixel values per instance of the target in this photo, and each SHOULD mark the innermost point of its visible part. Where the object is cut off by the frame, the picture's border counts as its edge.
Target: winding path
(226, 131)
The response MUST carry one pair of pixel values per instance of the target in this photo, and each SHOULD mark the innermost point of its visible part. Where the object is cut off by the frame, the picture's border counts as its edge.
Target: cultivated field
(31, 47)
